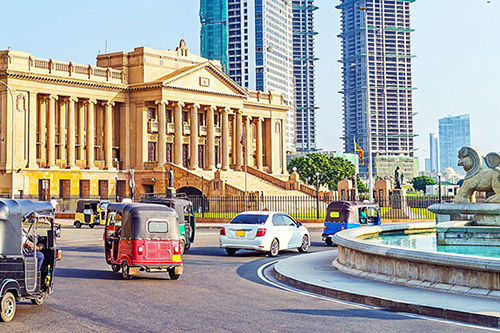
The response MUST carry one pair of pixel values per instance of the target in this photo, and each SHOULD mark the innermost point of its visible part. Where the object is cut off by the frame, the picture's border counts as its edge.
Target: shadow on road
(347, 313)
(92, 249)
(81, 273)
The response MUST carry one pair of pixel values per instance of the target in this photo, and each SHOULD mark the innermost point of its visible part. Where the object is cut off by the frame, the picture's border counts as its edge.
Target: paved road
(217, 293)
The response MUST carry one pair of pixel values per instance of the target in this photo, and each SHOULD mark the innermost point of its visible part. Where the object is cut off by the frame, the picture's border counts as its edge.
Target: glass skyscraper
(259, 53)
(454, 133)
(303, 72)
(433, 152)
(389, 94)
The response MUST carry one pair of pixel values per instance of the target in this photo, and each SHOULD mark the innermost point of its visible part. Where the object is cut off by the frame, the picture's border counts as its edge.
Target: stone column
(90, 133)
(258, 135)
(71, 132)
(108, 135)
(162, 133)
(239, 147)
(51, 132)
(81, 131)
(42, 129)
(248, 141)
(194, 137)
(33, 106)
(178, 133)
(225, 138)
(62, 127)
(210, 138)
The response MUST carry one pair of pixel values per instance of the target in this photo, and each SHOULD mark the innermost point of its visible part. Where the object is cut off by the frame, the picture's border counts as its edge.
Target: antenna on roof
(106, 46)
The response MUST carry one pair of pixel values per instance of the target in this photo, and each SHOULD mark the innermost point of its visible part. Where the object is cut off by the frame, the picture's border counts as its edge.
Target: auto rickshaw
(184, 208)
(90, 212)
(141, 237)
(341, 215)
(28, 253)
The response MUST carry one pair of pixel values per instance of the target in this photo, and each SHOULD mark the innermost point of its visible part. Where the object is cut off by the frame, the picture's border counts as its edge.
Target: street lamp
(439, 184)
(12, 137)
(317, 195)
(368, 112)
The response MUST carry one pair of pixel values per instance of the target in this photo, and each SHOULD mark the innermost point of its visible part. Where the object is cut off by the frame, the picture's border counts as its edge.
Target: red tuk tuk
(142, 237)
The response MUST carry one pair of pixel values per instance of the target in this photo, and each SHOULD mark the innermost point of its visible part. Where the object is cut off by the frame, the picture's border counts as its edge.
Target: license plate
(240, 233)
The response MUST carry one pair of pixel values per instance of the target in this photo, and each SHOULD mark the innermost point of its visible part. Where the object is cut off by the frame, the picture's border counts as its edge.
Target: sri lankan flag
(360, 151)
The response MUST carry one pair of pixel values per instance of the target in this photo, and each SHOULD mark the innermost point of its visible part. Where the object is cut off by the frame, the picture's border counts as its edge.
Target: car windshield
(249, 219)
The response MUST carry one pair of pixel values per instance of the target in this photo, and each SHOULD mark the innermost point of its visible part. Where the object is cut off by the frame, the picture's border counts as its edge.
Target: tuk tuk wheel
(328, 241)
(304, 247)
(275, 246)
(77, 224)
(126, 271)
(183, 246)
(173, 276)
(39, 300)
(115, 267)
(91, 226)
(8, 307)
(187, 246)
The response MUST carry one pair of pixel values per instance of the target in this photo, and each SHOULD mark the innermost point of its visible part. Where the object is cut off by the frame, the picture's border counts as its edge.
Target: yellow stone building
(81, 130)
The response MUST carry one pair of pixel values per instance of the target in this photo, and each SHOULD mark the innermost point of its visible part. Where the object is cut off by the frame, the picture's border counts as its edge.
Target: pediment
(204, 78)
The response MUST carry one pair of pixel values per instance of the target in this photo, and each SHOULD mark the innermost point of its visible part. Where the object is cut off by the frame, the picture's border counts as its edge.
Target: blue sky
(457, 44)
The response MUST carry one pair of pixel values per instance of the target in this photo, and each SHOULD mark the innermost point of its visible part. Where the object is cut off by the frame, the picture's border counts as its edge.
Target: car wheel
(126, 271)
(8, 307)
(91, 226)
(328, 241)
(115, 267)
(275, 246)
(39, 300)
(305, 244)
(231, 252)
(173, 276)
(77, 224)
(183, 245)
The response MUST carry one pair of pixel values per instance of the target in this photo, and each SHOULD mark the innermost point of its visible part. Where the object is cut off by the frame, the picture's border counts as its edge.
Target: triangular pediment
(204, 78)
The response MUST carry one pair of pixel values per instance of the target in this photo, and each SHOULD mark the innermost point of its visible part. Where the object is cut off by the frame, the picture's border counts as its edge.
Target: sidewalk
(314, 272)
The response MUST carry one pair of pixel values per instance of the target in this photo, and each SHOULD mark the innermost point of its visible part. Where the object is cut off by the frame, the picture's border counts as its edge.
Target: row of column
(50, 123)
(194, 135)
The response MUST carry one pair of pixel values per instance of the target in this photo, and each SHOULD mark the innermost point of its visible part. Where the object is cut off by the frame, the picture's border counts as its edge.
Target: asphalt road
(216, 293)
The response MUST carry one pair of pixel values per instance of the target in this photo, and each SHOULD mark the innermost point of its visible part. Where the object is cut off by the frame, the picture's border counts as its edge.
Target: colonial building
(83, 130)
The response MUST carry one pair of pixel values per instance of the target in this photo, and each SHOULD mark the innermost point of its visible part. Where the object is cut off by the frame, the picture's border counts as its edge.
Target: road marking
(325, 298)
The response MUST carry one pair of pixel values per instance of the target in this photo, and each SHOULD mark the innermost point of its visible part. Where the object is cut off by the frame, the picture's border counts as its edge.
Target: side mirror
(299, 224)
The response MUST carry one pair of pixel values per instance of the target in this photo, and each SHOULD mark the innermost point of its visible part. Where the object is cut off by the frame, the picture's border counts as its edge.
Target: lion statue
(483, 174)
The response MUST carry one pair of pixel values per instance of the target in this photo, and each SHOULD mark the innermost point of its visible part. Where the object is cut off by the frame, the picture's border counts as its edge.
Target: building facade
(259, 49)
(384, 36)
(454, 133)
(303, 72)
(83, 130)
(434, 153)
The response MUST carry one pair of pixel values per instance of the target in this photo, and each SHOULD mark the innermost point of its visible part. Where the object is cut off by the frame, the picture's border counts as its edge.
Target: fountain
(461, 225)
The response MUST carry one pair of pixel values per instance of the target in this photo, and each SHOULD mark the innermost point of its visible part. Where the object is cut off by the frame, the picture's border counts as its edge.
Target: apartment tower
(454, 133)
(383, 35)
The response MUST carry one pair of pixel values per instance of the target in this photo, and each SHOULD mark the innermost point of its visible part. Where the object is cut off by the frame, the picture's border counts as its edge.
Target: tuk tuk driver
(29, 246)
(362, 216)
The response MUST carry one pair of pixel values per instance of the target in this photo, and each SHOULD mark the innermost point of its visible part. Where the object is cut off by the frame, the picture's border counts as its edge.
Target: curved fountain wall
(409, 266)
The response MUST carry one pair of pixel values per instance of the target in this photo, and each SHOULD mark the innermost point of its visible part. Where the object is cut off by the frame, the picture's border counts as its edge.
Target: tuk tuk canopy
(146, 221)
(82, 202)
(178, 204)
(346, 211)
(11, 219)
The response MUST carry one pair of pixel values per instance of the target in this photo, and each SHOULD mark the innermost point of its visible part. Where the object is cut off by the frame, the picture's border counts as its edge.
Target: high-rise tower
(259, 52)
(385, 39)
(303, 72)
(454, 133)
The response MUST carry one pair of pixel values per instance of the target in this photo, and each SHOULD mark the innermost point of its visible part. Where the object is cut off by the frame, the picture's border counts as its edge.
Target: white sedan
(264, 231)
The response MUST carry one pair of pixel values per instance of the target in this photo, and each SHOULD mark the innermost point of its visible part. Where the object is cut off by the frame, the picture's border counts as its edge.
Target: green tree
(420, 182)
(331, 169)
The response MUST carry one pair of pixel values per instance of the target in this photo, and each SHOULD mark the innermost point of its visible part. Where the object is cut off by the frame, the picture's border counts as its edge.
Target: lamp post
(317, 195)
(12, 138)
(116, 187)
(439, 184)
(368, 112)
(202, 199)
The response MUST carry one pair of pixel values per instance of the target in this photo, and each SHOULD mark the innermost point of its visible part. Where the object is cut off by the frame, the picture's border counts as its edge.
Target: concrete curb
(392, 305)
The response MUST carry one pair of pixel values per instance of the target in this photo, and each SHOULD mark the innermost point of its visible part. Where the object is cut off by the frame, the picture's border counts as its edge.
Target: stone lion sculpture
(483, 174)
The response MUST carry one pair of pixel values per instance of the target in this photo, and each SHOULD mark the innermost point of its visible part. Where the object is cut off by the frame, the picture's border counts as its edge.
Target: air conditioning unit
(153, 126)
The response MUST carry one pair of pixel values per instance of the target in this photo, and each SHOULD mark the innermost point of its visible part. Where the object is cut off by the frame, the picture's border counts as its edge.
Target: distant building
(434, 153)
(253, 40)
(454, 133)
(428, 167)
(385, 39)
